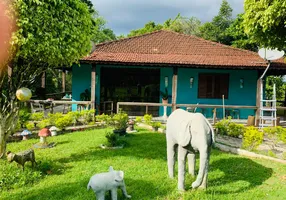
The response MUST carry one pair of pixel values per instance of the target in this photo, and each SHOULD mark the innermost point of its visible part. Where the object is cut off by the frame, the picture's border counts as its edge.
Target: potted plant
(165, 96)
(120, 122)
(156, 125)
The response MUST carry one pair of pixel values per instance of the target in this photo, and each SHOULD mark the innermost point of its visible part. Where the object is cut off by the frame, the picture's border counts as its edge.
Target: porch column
(93, 86)
(258, 98)
(63, 81)
(43, 82)
(174, 88)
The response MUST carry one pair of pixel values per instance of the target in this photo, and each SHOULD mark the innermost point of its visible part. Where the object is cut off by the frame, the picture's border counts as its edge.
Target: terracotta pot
(165, 101)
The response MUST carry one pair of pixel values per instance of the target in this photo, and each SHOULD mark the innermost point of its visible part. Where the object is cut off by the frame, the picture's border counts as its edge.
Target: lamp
(241, 82)
(191, 82)
(166, 81)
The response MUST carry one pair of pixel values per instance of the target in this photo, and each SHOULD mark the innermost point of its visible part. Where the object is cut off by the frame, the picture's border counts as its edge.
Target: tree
(265, 22)
(189, 26)
(239, 38)
(148, 28)
(215, 30)
(51, 33)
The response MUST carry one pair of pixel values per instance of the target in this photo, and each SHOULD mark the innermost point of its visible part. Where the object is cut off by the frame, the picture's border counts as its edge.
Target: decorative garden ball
(24, 94)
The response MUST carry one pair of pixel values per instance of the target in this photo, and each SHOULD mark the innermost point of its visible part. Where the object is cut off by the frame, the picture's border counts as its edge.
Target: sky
(122, 16)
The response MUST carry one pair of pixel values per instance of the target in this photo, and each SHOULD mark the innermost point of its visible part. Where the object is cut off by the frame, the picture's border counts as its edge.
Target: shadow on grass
(237, 175)
(78, 190)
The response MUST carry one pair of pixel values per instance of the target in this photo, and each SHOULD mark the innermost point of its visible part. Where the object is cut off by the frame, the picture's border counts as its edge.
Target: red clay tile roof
(175, 49)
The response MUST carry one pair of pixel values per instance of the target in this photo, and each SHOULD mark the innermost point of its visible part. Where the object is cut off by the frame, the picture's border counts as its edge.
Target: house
(194, 70)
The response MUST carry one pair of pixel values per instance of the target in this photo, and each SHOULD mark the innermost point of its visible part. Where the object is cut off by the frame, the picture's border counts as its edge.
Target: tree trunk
(2, 141)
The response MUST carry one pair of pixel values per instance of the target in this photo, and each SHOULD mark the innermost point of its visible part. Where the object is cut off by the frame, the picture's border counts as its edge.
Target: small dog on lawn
(22, 157)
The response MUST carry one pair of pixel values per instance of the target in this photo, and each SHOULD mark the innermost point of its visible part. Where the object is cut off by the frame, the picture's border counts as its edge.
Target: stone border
(243, 152)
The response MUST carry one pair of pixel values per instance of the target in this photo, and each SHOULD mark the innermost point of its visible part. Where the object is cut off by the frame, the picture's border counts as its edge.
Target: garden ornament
(44, 133)
(23, 94)
(54, 130)
(25, 134)
(22, 157)
(190, 132)
(107, 181)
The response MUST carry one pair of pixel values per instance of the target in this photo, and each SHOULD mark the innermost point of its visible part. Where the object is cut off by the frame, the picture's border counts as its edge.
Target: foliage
(13, 177)
(148, 28)
(103, 118)
(227, 127)
(276, 134)
(112, 139)
(74, 116)
(38, 116)
(222, 126)
(24, 116)
(156, 125)
(280, 87)
(271, 154)
(216, 30)
(54, 117)
(67, 26)
(138, 119)
(44, 123)
(147, 118)
(87, 115)
(30, 126)
(264, 22)
(63, 122)
(239, 38)
(85, 96)
(119, 120)
(189, 26)
(252, 138)
(164, 94)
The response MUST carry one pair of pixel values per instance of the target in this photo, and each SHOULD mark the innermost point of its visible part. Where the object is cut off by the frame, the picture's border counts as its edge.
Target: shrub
(103, 118)
(30, 126)
(112, 139)
(37, 116)
(74, 116)
(44, 123)
(235, 130)
(147, 118)
(226, 127)
(271, 154)
(54, 117)
(119, 120)
(252, 138)
(138, 119)
(222, 126)
(63, 122)
(87, 115)
(156, 125)
(24, 116)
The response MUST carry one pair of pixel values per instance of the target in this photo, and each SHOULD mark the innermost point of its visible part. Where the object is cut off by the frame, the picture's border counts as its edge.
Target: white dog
(108, 181)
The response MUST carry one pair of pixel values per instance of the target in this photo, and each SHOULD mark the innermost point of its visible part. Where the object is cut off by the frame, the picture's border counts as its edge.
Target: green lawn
(65, 170)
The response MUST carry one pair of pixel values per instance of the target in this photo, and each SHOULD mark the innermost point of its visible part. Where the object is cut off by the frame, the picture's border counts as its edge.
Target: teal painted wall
(81, 80)
(237, 95)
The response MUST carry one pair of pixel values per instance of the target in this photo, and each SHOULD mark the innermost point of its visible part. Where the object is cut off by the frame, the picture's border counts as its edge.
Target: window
(213, 86)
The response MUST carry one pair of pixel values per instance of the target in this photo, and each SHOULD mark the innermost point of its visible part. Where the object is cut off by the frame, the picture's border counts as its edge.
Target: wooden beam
(174, 87)
(258, 98)
(93, 85)
(64, 81)
(43, 82)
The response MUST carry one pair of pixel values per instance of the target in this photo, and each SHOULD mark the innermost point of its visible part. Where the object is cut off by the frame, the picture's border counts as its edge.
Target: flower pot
(165, 101)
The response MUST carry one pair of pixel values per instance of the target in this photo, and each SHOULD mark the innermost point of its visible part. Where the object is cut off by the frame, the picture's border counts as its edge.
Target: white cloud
(125, 15)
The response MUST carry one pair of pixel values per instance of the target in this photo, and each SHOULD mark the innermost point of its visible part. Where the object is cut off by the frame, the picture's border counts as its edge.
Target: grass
(65, 170)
